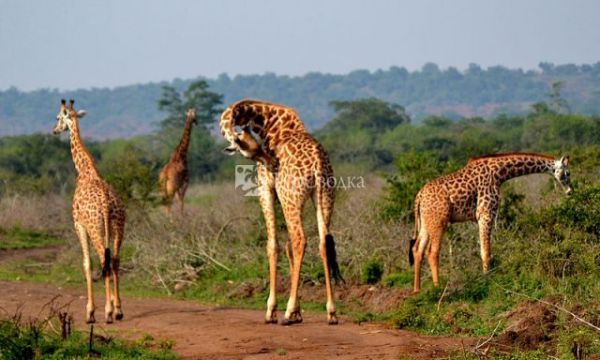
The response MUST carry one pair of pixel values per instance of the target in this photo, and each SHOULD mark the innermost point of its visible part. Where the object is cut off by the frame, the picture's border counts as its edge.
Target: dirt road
(202, 332)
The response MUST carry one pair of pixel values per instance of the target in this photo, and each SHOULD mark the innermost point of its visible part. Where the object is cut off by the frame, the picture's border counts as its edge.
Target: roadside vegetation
(541, 297)
(51, 337)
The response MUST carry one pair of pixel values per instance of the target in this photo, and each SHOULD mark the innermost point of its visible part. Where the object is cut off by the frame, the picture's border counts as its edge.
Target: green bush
(372, 271)
(414, 170)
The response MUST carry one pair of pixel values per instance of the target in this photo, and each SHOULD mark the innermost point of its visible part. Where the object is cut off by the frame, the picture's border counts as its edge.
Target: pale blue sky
(74, 44)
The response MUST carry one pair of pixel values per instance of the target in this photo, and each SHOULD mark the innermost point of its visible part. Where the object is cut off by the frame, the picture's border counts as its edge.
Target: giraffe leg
(169, 194)
(485, 222)
(181, 195)
(87, 271)
(324, 207)
(418, 251)
(116, 262)
(433, 254)
(267, 203)
(293, 219)
(98, 239)
(289, 253)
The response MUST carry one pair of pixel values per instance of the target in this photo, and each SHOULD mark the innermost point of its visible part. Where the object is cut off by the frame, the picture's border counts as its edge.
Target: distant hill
(131, 110)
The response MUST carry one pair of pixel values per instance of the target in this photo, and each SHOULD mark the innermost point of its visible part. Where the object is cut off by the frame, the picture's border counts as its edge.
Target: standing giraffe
(472, 194)
(98, 214)
(292, 167)
(174, 177)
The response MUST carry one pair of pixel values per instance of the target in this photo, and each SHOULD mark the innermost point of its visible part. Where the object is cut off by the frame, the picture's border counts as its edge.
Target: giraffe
(292, 167)
(98, 215)
(174, 176)
(472, 194)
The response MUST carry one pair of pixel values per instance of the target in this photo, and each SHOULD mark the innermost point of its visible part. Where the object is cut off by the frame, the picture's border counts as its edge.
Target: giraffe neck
(516, 165)
(84, 163)
(184, 144)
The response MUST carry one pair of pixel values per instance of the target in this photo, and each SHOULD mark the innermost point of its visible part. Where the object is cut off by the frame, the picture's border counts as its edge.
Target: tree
(197, 95)
(203, 155)
(557, 102)
(370, 114)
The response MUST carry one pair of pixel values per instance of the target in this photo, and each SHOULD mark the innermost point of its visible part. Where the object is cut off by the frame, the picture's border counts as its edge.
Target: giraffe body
(471, 194)
(292, 168)
(174, 177)
(98, 216)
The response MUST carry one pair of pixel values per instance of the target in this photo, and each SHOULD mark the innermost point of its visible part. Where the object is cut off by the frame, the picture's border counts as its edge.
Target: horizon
(68, 46)
(536, 69)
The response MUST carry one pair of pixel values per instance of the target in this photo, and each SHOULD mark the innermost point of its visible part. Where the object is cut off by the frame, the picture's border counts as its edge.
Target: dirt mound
(529, 326)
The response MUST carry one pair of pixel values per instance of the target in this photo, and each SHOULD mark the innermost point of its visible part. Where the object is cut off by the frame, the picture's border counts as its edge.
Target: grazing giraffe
(174, 177)
(292, 167)
(472, 194)
(98, 214)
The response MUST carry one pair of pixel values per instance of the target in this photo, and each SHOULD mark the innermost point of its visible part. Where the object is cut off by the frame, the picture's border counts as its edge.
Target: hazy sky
(74, 44)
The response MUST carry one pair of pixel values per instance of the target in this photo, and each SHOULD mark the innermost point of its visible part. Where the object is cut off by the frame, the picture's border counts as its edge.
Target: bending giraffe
(174, 177)
(292, 167)
(472, 194)
(98, 215)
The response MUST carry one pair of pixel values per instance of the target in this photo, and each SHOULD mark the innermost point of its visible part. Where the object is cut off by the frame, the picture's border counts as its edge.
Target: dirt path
(202, 332)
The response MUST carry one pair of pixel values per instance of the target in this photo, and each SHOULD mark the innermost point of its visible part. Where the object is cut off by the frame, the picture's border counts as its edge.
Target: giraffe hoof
(90, 320)
(109, 320)
(119, 316)
(271, 321)
(288, 322)
(294, 318)
(332, 321)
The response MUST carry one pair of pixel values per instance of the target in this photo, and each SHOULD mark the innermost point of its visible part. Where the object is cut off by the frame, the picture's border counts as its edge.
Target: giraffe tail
(332, 263)
(411, 257)
(107, 258)
(106, 267)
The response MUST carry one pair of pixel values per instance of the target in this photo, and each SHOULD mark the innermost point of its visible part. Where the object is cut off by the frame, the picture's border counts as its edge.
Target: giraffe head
(191, 115)
(67, 116)
(560, 171)
(241, 131)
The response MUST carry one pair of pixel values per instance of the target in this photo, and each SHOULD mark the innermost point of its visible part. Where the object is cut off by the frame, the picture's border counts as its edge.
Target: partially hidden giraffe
(174, 176)
(472, 194)
(292, 167)
(98, 215)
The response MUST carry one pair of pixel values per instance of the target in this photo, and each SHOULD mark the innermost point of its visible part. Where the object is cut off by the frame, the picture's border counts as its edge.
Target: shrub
(372, 271)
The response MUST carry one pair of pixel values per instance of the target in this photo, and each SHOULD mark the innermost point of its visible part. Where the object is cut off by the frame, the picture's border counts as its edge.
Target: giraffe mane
(261, 102)
(509, 154)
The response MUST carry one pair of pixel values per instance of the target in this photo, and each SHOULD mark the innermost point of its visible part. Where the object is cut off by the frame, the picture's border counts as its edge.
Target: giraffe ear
(81, 113)
(565, 160)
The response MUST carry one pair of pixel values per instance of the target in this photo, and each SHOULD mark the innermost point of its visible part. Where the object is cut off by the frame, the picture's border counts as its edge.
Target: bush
(372, 271)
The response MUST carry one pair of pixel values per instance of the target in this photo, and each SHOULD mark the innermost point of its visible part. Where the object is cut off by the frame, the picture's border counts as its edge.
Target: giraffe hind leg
(324, 205)
(97, 238)
(293, 220)
(117, 232)
(87, 271)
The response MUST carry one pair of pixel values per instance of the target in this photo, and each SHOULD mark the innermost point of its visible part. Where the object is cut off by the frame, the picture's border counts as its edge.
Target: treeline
(364, 135)
(131, 110)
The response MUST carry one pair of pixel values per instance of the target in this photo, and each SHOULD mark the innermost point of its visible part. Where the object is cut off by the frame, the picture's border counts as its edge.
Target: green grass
(19, 238)
(34, 340)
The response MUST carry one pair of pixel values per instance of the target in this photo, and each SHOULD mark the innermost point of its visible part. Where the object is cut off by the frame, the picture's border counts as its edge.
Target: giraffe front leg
(485, 222)
(87, 271)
